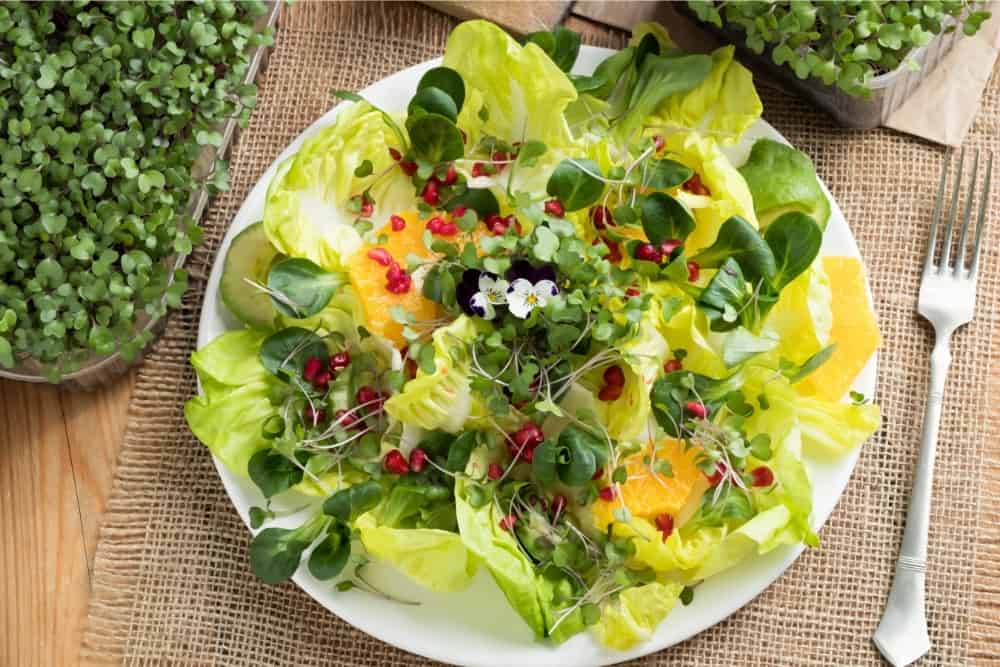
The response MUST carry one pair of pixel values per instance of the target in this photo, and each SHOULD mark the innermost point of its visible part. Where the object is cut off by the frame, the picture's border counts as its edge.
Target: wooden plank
(95, 426)
(44, 587)
(518, 17)
(622, 15)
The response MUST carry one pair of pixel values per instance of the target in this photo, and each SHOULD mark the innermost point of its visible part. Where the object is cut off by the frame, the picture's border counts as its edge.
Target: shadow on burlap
(171, 581)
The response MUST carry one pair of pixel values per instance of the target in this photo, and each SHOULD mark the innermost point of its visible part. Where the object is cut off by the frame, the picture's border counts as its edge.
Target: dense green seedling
(104, 110)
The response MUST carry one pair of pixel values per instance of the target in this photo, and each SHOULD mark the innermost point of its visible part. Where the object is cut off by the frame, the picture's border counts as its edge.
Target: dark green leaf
(795, 240)
(664, 174)
(664, 218)
(273, 472)
(305, 288)
(576, 183)
(738, 240)
(434, 100)
(285, 353)
(460, 451)
(799, 373)
(480, 200)
(347, 504)
(435, 138)
(447, 80)
(330, 556)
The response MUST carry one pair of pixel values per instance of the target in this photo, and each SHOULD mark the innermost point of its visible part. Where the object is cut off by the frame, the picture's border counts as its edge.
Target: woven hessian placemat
(171, 582)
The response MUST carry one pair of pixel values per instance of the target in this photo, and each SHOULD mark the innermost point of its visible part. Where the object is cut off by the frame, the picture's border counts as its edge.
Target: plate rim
(866, 381)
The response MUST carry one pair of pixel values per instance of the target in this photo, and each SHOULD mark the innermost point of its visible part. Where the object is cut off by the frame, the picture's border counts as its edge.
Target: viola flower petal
(494, 287)
(521, 298)
(481, 306)
(466, 289)
(546, 288)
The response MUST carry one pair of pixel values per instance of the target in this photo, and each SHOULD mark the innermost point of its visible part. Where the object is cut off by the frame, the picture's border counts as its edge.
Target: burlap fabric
(171, 582)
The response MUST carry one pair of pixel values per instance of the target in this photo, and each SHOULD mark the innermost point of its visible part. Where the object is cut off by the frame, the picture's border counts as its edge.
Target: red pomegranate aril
(665, 524)
(366, 394)
(458, 212)
(500, 159)
(529, 435)
(346, 419)
(632, 291)
(672, 365)
(658, 142)
(395, 272)
(498, 227)
(434, 224)
(409, 168)
(648, 252)
(555, 207)
(397, 222)
(450, 176)
(507, 523)
(694, 271)
(614, 375)
(668, 247)
(477, 170)
(448, 229)
(410, 366)
(600, 217)
(395, 155)
(401, 286)
(607, 493)
(312, 366)
(558, 505)
(395, 462)
(614, 251)
(418, 460)
(495, 471)
(695, 186)
(339, 361)
(720, 472)
(380, 255)
(313, 417)
(430, 194)
(599, 473)
(696, 409)
(610, 392)
(367, 208)
(322, 380)
(762, 476)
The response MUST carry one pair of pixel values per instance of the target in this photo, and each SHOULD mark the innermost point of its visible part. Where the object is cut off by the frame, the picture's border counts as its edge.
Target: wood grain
(56, 464)
(518, 17)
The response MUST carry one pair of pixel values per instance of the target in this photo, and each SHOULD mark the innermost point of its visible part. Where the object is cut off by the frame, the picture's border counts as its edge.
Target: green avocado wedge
(250, 256)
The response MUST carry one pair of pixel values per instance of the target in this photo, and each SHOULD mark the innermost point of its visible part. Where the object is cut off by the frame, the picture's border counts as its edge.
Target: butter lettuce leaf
(633, 615)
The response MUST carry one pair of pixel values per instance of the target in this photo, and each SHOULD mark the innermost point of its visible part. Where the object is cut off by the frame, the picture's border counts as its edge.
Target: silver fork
(947, 301)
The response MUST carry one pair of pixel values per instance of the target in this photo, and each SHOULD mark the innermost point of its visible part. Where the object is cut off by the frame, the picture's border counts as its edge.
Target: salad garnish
(538, 323)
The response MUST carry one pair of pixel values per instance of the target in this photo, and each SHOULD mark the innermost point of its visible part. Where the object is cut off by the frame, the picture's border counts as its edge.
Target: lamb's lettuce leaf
(783, 179)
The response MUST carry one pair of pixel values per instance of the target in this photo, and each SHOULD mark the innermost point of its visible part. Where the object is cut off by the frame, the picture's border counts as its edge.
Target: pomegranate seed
(395, 272)
(312, 366)
(599, 473)
(632, 291)
(410, 366)
(658, 142)
(610, 392)
(495, 471)
(507, 522)
(395, 463)
(672, 365)
(313, 417)
(665, 524)
(380, 255)
(696, 409)
(448, 229)
(558, 505)
(500, 160)
(451, 175)
(529, 435)
(477, 170)
(398, 223)
(346, 419)
(395, 155)
(366, 394)
(498, 227)
(668, 247)
(607, 493)
(339, 361)
(555, 207)
(409, 168)
(367, 208)
(401, 286)
(693, 271)
(762, 476)
(614, 251)
(458, 212)
(430, 194)
(418, 460)
(614, 375)
(434, 224)
(322, 380)
(695, 186)
(648, 252)
(720, 472)
(601, 217)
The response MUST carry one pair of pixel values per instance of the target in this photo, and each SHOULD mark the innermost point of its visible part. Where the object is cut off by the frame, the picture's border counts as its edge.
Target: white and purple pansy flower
(523, 296)
(479, 292)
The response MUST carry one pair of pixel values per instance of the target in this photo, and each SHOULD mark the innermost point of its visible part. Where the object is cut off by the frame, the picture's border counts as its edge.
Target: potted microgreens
(112, 116)
(857, 60)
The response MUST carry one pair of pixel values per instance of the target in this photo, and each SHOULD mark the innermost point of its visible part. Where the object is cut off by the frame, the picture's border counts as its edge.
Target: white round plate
(477, 626)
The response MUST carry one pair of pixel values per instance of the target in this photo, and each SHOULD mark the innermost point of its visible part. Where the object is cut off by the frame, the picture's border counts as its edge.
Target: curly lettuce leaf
(435, 559)
(783, 179)
(632, 617)
(305, 211)
(442, 400)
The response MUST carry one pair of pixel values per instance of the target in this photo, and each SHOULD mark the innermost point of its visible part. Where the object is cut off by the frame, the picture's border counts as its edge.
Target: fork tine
(981, 223)
(952, 214)
(936, 218)
(960, 262)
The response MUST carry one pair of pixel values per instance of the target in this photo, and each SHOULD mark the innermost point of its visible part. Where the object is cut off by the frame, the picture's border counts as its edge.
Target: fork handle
(902, 633)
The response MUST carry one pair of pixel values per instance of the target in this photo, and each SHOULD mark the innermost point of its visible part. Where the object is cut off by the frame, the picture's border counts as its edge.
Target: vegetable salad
(537, 323)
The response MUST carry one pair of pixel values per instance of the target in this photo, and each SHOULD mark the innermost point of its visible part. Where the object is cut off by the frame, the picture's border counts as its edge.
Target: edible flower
(523, 296)
(522, 268)
(480, 291)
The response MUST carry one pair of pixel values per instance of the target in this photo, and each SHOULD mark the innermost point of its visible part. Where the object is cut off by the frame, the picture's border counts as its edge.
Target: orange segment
(648, 494)
(854, 330)
(369, 280)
